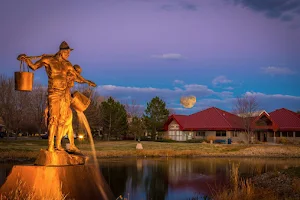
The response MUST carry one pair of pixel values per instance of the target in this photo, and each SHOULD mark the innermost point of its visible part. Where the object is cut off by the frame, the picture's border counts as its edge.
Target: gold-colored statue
(59, 97)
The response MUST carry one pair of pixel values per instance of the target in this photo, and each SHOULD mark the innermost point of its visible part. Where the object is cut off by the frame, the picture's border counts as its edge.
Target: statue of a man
(57, 67)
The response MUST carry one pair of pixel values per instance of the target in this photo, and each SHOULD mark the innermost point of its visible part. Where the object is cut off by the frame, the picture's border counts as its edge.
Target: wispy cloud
(189, 6)
(183, 5)
(178, 82)
(278, 96)
(271, 102)
(220, 80)
(169, 56)
(145, 94)
(205, 96)
(285, 10)
(229, 88)
(277, 70)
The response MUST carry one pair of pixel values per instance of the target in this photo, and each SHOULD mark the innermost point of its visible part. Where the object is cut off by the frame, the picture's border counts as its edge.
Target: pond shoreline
(16, 157)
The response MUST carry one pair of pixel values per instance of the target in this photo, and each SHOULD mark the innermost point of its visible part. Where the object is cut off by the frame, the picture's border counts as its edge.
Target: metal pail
(80, 102)
(23, 81)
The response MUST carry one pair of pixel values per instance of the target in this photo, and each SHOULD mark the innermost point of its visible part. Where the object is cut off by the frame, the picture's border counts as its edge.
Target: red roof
(210, 119)
(180, 119)
(287, 120)
(273, 125)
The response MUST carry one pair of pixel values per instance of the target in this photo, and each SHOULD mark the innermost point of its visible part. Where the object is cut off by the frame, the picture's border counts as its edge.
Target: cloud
(180, 6)
(205, 97)
(229, 88)
(287, 18)
(277, 70)
(281, 9)
(169, 56)
(271, 102)
(178, 82)
(220, 80)
(278, 96)
(142, 95)
(188, 6)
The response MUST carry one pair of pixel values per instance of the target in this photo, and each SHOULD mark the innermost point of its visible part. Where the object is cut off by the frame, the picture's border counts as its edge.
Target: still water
(175, 178)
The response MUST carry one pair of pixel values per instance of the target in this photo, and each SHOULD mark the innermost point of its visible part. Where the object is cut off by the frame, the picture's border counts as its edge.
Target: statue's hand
(21, 57)
(91, 83)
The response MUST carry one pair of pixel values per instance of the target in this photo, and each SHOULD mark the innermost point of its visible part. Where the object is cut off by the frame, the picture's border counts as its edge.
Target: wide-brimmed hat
(64, 46)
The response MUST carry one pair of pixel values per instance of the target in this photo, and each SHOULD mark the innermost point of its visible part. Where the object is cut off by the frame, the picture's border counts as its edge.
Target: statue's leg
(71, 140)
(64, 106)
(53, 112)
(59, 137)
(51, 133)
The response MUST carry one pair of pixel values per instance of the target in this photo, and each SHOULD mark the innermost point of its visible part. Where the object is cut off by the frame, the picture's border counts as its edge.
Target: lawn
(29, 149)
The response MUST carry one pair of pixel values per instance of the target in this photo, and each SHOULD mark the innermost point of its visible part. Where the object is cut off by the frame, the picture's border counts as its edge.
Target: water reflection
(176, 178)
(181, 178)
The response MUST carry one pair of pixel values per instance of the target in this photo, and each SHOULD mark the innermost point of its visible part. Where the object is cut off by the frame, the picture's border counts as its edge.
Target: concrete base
(60, 158)
(63, 182)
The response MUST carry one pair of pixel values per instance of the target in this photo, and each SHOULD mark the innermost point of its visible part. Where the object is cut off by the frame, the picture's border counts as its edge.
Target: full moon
(188, 101)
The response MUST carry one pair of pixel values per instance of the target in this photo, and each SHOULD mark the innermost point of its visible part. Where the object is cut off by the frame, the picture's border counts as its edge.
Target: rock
(139, 146)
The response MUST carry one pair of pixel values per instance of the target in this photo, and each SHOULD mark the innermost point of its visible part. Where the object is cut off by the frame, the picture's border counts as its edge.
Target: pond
(176, 178)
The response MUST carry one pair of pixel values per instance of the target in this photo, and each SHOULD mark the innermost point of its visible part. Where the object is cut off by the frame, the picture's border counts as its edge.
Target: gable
(263, 121)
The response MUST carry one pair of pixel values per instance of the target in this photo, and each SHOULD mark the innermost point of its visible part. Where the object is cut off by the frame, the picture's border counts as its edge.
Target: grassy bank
(29, 149)
(283, 184)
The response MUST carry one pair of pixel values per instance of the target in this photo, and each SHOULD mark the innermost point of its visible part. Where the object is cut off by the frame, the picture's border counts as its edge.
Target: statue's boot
(73, 148)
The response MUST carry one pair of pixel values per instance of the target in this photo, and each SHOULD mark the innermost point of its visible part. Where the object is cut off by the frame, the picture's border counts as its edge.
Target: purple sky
(136, 49)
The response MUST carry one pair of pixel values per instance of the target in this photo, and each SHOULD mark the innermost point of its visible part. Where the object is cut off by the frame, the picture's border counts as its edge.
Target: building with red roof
(221, 125)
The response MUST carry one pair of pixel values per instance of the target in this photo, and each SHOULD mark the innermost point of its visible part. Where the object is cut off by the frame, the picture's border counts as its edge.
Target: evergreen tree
(113, 118)
(156, 114)
(137, 127)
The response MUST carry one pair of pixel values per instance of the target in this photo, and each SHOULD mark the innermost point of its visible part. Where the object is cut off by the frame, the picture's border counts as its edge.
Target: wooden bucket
(80, 102)
(23, 80)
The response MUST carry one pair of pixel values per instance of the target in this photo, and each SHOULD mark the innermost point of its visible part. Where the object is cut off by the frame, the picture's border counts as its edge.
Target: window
(221, 133)
(297, 134)
(200, 133)
(174, 126)
(284, 134)
(287, 134)
(277, 134)
(235, 133)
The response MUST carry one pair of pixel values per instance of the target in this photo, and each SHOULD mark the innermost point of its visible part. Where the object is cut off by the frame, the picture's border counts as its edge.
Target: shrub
(165, 140)
(145, 138)
(211, 137)
(195, 141)
(283, 140)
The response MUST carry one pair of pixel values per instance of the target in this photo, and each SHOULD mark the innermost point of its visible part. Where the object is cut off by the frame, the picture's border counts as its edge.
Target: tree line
(23, 112)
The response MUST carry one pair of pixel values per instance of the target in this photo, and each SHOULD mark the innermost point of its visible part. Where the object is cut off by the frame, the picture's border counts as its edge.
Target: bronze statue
(68, 128)
(59, 98)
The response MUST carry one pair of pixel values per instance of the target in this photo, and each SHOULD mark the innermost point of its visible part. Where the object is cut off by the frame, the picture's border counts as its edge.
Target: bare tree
(133, 109)
(172, 111)
(38, 104)
(246, 107)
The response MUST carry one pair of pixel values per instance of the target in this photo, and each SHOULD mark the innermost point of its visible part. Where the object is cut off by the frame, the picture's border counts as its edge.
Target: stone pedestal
(59, 182)
(60, 158)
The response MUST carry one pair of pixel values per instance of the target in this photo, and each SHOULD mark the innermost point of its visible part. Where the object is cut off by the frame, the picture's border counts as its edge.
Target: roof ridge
(217, 109)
